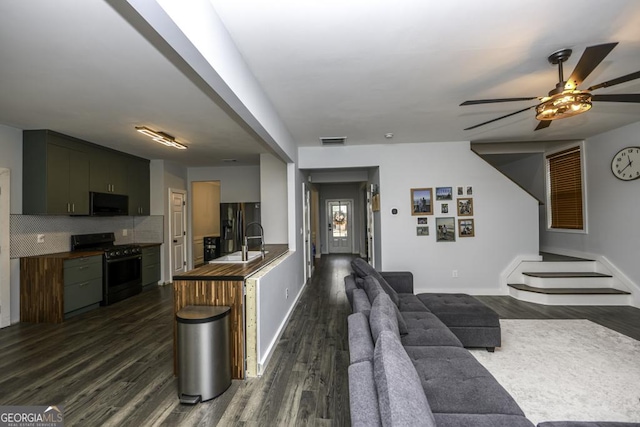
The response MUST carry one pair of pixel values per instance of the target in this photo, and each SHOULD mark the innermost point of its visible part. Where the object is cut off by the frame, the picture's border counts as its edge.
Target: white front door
(340, 229)
(178, 231)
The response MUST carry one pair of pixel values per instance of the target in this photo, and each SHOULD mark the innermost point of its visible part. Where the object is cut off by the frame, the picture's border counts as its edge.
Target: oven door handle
(124, 259)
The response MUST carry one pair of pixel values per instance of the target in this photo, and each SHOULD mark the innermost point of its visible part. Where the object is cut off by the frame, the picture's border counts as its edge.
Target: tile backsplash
(57, 231)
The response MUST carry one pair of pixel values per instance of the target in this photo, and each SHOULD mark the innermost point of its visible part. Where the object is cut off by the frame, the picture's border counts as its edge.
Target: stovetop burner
(104, 242)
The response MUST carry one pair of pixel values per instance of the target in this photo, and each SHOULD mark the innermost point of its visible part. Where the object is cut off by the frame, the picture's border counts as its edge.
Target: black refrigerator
(234, 218)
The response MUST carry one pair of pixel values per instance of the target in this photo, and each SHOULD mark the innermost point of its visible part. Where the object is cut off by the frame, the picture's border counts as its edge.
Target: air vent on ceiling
(333, 140)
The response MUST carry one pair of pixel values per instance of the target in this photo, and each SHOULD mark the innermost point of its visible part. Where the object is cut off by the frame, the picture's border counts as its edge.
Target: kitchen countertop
(69, 255)
(234, 271)
(82, 254)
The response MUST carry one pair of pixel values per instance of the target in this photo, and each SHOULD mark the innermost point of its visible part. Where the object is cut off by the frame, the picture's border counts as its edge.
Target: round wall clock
(626, 164)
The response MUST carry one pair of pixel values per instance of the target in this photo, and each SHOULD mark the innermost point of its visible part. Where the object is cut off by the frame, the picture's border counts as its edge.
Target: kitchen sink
(236, 258)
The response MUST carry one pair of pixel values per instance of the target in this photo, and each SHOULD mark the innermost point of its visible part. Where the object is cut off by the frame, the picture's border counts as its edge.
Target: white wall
(506, 217)
(273, 200)
(237, 183)
(11, 158)
(612, 208)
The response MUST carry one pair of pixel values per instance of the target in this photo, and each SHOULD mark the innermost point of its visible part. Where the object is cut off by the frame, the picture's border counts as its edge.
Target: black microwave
(107, 204)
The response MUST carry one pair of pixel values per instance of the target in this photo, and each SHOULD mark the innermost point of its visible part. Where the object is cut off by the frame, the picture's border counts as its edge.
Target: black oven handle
(124, 259)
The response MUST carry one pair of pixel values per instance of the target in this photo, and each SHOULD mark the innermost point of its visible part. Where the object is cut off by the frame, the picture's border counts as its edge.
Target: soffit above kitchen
(80, 68)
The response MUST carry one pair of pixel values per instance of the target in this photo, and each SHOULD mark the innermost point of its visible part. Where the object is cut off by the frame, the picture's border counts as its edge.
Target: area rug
(572, 370)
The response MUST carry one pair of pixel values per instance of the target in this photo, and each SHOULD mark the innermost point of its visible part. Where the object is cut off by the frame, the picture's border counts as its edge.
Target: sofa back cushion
(361, 303)
(401, 398)
(360, 342)
(364, 269)
(373, 289)
(363, 396)
(383, 317)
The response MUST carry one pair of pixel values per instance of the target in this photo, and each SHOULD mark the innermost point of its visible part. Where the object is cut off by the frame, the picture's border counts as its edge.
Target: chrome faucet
(245, 248)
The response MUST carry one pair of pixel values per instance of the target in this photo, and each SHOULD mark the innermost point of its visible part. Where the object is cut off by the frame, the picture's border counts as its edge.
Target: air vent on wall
(333, 140)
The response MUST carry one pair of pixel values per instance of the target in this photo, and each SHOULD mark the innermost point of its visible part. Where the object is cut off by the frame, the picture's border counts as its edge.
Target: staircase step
(568, 291)
(564, 275)
(549, 257)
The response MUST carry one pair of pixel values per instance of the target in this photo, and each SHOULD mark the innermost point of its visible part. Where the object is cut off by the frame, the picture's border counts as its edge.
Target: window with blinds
(565, 189)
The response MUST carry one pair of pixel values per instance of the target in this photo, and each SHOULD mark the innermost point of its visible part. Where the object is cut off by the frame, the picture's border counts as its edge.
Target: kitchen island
(222, 284)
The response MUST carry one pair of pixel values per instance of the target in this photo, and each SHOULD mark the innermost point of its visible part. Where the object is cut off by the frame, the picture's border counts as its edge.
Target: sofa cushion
(401, 399)
(361, 303)
(425, 329)
(455, 382)
(360, 342)
(364, 269)
(410, 302)
(373, 289)
(460, 310)
(481, 420)
(402, 324)
(363, 396)
(349, 287)
(383, 317)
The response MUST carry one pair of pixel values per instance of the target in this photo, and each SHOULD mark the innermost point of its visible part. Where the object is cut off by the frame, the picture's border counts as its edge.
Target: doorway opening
(5, 280)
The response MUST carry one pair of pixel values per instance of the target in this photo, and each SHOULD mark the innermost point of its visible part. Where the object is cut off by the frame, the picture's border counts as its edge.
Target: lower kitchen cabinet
(57, 286)
(150, 265)
(82, 283)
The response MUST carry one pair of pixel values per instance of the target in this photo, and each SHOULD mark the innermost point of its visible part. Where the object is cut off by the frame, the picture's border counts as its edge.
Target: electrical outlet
(454, 273)
(40, 238)
(124, 231)
(286, 293)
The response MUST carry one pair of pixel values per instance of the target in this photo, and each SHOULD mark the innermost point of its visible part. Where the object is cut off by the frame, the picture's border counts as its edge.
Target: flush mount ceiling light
(161, 137)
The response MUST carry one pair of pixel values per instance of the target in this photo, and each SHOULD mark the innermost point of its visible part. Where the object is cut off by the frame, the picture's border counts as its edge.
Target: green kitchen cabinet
(82, 283)
(150, 265)
(55, 173)
(139, 187)
(108, 171)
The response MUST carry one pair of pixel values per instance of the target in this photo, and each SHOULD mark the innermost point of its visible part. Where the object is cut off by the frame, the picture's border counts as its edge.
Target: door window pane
(340, 218)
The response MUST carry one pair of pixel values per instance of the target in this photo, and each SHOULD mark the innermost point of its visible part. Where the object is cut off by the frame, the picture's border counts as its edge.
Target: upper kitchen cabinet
(108, 172)
(55, 174)
(139, 183)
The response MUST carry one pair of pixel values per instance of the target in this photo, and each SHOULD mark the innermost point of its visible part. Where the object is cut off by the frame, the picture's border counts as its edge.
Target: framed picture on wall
(444, 193)
(421, 201)
(466, 228)
(422, 231)
(446, 229)
(465, 207)
(422, 221)
(444, 208)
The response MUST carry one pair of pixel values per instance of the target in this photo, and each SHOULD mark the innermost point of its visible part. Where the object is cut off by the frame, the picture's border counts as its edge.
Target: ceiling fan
(566, 100)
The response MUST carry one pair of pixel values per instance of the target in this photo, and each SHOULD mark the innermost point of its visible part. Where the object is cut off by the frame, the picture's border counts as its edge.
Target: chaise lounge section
(409, 368)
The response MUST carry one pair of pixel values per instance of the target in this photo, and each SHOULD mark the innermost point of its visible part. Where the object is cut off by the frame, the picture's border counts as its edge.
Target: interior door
(340, 231)
(306, 218)
(178, 232)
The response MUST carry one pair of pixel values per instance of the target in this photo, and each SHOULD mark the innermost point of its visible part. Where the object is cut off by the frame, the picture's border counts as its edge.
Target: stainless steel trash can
(204, 362)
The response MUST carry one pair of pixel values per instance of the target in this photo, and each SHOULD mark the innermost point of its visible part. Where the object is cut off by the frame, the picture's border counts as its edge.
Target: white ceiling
(358, 68)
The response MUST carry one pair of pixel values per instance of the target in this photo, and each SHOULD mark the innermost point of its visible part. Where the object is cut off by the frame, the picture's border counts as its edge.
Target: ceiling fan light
(562, 105)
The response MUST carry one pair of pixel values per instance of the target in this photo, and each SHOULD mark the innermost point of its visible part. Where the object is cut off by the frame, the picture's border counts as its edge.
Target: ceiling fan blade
(500, 118)
(617, 81)
(617, 97)
(492, 101)
(591, 58)
(543, 124)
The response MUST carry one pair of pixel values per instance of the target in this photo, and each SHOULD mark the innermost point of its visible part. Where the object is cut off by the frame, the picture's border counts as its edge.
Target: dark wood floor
(113, 366)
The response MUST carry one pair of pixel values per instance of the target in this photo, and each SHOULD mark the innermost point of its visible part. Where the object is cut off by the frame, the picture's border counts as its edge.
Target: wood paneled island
(222, 284)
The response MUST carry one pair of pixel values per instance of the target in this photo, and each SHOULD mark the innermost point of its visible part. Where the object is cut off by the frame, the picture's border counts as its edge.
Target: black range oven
(121, 265)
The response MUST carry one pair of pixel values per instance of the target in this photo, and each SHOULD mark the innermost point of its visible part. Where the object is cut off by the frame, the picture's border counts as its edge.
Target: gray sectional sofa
(409, 368)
